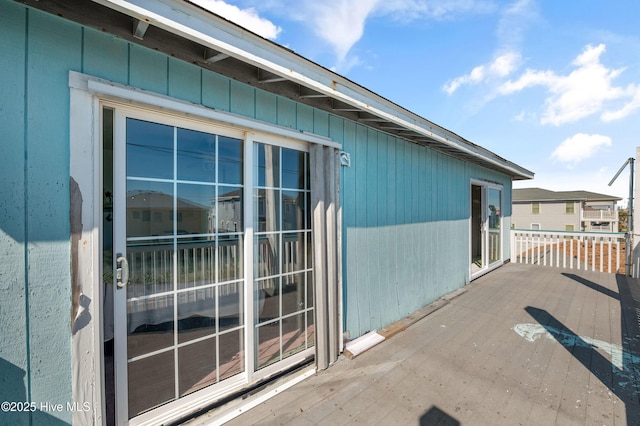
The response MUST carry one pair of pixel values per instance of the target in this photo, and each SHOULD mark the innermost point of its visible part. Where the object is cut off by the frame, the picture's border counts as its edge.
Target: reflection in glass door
(283, 282)
(180, 229)
(485, 227)
(494, 218)
(185, 274)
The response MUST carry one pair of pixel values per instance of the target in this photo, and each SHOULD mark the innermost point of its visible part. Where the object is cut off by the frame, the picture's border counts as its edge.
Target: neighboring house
(213, 206)
(541, 209)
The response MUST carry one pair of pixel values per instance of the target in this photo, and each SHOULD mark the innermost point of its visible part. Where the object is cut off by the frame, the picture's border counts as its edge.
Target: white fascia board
(193, 23)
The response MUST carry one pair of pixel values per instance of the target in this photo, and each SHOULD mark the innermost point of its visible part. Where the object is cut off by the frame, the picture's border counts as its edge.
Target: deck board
(465, 363)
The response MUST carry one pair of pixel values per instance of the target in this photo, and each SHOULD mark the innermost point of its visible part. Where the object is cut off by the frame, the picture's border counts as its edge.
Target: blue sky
(551, 85)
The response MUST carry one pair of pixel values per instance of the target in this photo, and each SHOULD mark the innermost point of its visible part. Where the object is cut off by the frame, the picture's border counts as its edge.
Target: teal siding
(266, 107)
(181, 81)
(50, 55)
(242, 99)
(148, 69)
(216, 91)
(405, 211)
(14, 337)
(105, 56)
(405, 207)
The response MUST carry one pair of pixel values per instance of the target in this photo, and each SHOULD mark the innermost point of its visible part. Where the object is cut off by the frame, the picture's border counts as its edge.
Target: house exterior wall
(406, 214)
(405, 207)
(552, 216)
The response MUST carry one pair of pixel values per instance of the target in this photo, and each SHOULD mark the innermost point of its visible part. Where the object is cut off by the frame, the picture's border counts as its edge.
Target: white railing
(602, 215)
(595, 251)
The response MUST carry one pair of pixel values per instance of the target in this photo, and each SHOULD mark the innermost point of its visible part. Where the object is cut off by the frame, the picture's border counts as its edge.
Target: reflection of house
(151, 213)
(419, 212)
(229, 212)
(536, 208)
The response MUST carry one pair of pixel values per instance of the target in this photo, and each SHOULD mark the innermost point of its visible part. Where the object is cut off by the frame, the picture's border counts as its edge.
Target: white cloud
(341, 23)
(583, 92)
(579, 147)
(247, 18)
(411, 10)
(501, 66)
(514, 19)
(626, 109)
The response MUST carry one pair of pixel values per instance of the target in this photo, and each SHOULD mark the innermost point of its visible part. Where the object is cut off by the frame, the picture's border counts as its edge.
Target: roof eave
(198, 25)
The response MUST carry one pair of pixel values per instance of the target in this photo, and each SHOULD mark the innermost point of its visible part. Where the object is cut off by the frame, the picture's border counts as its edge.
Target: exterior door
(209, 288)
(485, 227)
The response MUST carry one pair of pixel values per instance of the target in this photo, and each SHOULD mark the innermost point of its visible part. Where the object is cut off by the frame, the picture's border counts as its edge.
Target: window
(569, 228)
(535, 208)
(569, 208)
(535, 226)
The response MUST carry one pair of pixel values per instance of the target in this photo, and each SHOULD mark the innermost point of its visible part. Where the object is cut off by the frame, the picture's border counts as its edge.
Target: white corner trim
(122, 93)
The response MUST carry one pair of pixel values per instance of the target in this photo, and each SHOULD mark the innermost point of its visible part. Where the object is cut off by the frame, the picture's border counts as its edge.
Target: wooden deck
(524, 345)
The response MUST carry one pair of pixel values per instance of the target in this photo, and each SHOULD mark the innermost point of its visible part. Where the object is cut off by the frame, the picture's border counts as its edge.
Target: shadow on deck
(525, 344)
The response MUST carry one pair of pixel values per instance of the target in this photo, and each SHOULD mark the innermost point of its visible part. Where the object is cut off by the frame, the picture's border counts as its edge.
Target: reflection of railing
(150, 288)
(580, 250)
(268, 260)
(494, 245)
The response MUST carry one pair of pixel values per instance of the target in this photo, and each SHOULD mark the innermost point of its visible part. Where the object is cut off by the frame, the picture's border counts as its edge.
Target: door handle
(122, 271)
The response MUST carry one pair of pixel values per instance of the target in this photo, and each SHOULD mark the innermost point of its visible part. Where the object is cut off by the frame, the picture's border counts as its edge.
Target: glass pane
(293, 298)
(292, 210)
(149, 149)
(267, 255)
(495, 214)
(230, 255)
(230, 160)
(267, 300)
(309, 250)
(196, 156)
(151, 382)
(307, 210)
(310, 290)
(197, 366)
(231, 353)
(267, 210)
(268, 162)
(150, 267)
(231, 302)
(293, 169)
(196, 209)
(196, 314)
(293, 248)
(149, 325)
(149, 208)
(311, 329)
(268, 339)
(196, 262)
(230, 212)
(293, 335)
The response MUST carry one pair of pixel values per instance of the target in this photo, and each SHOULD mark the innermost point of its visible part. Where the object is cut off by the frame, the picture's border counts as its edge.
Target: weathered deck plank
(467, 364)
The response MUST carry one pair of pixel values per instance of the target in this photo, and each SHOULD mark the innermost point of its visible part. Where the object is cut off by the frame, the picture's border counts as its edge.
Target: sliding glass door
(212, 273)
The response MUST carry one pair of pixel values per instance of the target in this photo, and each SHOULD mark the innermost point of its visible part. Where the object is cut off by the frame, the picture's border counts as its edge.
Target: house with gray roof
(542, 209)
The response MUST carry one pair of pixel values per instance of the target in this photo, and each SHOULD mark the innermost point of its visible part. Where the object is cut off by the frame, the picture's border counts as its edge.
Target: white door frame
(484, 227)
(87, 95)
